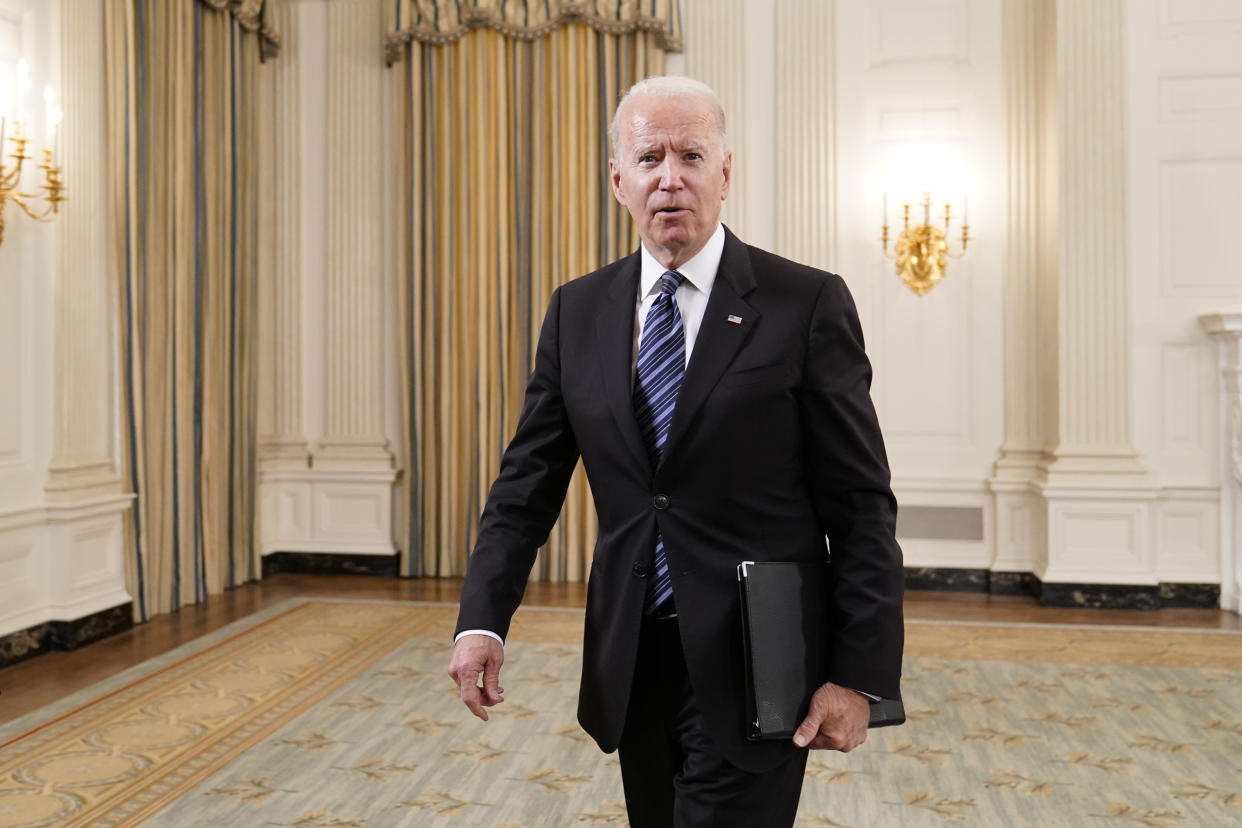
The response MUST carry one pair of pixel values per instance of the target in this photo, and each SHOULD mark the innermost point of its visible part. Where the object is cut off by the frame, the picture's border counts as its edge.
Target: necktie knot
(670, 281)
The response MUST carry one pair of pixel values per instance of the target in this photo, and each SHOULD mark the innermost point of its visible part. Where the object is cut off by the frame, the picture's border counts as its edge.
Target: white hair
(670, 86)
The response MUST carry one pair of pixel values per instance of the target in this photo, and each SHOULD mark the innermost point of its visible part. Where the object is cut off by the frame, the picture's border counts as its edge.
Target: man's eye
(644, 159)
(693, 156)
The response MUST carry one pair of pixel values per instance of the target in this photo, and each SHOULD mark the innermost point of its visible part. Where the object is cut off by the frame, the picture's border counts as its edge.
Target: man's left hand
(837, 720)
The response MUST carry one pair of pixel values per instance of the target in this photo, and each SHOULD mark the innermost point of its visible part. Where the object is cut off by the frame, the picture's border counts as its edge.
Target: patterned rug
(339, 713)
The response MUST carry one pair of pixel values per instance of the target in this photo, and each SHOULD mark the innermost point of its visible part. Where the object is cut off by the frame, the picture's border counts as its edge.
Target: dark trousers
(672, 773)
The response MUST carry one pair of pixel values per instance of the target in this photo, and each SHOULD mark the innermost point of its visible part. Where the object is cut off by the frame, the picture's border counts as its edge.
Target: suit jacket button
(661, 501)
(640, 570)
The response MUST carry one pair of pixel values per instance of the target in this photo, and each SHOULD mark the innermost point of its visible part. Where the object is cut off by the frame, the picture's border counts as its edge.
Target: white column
(85, 504)
(1226, 329)
(1097, 493)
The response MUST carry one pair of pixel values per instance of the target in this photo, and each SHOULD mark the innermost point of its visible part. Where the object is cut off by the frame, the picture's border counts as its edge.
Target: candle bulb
(965, 206)
(886, 209)
(49, 110)
(23, 86)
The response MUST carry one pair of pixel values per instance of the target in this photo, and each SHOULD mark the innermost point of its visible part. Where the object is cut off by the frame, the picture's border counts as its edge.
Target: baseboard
(65, 635)
(329, 563)
(1093, 596)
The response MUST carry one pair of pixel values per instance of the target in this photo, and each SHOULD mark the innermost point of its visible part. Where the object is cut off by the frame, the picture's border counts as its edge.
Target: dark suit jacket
(774, 444)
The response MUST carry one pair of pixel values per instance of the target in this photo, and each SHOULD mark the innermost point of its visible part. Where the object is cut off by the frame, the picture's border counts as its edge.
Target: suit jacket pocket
(773, 374)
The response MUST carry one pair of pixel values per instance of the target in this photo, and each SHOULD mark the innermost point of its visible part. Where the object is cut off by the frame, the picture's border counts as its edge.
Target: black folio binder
(785, 635)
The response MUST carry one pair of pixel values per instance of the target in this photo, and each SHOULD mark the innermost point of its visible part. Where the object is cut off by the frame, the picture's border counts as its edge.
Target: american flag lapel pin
(736, 320)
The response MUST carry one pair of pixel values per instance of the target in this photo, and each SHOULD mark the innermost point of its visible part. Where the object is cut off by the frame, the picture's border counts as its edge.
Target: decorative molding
(1191, 251)
(1187, 540)
(1195, 17)
(61, 561)
(1098, 539)
(326, 511)
(1196, 98)
(1182, 415)
(920, 32)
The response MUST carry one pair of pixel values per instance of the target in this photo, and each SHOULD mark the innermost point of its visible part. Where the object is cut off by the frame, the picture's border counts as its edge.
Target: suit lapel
(719, 338)
(615, 329)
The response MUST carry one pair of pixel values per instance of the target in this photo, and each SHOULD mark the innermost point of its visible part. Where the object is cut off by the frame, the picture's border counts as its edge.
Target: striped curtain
(505, 197)
(182, 136)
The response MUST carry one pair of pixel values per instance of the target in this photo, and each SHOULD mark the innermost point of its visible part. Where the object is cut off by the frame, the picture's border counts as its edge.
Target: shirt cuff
(488, 633)
(859, 692)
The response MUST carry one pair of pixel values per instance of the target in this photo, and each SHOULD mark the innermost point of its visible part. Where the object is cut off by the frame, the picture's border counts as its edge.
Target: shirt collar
(700, 271)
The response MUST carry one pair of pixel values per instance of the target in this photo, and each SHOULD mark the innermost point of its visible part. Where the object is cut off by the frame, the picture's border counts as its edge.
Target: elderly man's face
(670, 173)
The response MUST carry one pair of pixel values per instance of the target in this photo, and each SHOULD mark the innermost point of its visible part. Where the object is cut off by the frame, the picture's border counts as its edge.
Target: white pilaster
(84, 568)
(1019, 512)
(805, 98)
(82, 466)
(1226, 329)
(1099, 497)
(282, 439)
(343, 502)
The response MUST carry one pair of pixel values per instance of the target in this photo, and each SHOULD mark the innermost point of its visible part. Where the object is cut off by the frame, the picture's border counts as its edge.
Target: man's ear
(728, 174)
(614, 178)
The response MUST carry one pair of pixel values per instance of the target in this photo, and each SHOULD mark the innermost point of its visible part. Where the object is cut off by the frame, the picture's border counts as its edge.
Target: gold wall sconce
(922, 251)
(11, 174)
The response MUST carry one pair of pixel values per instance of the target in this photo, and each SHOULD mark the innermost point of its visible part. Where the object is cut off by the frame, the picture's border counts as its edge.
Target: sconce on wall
(922, 251)
(11, 174)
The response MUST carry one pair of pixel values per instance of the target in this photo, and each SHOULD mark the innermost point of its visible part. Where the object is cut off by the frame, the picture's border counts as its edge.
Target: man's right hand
(475, 656)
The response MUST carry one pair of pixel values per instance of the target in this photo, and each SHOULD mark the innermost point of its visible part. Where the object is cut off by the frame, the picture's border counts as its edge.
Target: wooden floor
(32, 684)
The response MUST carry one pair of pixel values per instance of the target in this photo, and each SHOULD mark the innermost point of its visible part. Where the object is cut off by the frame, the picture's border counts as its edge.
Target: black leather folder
(785, 636)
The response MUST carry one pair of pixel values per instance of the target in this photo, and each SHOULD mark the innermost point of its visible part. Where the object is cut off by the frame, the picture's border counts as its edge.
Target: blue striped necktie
(657, 379)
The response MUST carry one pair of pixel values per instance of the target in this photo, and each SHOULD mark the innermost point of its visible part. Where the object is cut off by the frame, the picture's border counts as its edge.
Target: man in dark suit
(718, 396)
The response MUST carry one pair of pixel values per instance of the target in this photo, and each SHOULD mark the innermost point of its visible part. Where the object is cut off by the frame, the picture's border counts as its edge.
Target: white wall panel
(1199, 204)
(1200, 98)
(918, 31)
(1188, 539)
(1202, 17)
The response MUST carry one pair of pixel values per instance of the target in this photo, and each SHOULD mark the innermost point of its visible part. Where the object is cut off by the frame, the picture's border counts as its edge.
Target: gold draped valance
(253, 16)
(444, 21)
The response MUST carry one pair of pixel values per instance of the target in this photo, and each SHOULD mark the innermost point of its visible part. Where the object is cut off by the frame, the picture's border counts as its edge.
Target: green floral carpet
(338, 713)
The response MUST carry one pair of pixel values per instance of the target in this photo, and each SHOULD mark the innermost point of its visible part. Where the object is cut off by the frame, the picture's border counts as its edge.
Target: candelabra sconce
(922, 251)
(10, 179)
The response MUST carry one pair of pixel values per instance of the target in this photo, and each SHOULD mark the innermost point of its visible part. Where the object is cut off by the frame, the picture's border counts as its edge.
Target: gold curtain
(505, 197)
(182, 138)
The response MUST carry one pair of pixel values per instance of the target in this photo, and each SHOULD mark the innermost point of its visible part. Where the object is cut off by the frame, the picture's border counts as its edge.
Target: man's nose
(670, 174)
